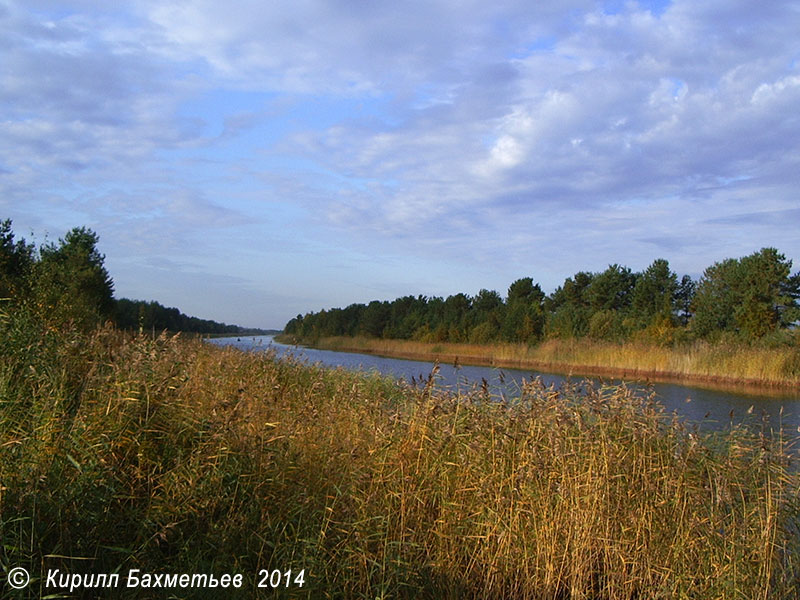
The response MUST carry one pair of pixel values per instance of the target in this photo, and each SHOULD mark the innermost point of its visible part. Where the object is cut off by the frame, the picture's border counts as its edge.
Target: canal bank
(729, 367)
(710, 405)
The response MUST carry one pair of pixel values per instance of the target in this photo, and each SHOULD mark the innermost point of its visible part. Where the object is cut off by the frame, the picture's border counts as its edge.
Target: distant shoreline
(244, 333)
(700, 363)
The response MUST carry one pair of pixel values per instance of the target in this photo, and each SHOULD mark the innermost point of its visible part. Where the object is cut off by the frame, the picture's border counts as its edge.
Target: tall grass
(700, 360)
(171, 455)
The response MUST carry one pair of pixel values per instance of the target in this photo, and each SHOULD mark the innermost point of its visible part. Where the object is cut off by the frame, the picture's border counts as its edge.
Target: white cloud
(786, 88)
(351, 47)
(465, 131)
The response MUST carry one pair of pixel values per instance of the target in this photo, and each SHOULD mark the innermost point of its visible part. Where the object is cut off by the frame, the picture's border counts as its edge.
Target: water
(711, 408)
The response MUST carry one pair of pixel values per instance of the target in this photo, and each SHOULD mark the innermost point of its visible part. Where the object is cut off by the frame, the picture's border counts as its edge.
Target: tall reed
(171, 455)
(700, 360)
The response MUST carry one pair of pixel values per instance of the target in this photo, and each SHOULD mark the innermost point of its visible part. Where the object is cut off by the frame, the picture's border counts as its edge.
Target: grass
(172, 455)
(700, 361)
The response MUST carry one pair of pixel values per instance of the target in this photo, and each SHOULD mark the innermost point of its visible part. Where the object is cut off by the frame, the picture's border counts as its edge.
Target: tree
(16, 261)
(750, 296)
(486, 301)
(404, 319)
(375, 318)
(71, 283)
(454, 312)
(612, 289)
(145, 316)
(487, 307)
(684, 297)
(654, 294)
(767, 300)
(568, 307)
(524, 317)
(790, 290)
(521, 290)
(294, 325)
(715, 298)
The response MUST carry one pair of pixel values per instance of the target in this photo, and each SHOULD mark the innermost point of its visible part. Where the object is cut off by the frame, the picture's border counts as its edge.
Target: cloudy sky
(249, 161)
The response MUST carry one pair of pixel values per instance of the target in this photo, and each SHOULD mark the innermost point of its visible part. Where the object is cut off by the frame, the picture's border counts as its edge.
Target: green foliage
(524, 316)
(751, 296)
(16, 261)
(602, 325)
(748, 297)
(660, 331)
(715, 299)
(65, 286)
(139, 315)
(523, 322)
(525, 291)
(683, 299)
(483, 333)
(611, 290)
(375, 318)
(568, 307)
(568, 321)
(655, 294)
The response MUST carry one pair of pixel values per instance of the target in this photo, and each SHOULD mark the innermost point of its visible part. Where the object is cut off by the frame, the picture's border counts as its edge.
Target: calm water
(709, 407)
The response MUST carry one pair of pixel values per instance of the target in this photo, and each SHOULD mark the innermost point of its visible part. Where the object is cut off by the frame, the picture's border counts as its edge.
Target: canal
(709, 407)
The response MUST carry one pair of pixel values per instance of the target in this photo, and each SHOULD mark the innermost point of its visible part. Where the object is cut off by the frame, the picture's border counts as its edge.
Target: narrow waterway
(711, 408)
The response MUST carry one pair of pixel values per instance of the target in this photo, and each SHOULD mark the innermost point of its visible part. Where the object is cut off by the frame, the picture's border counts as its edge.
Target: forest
(738, 300)
(68, 282)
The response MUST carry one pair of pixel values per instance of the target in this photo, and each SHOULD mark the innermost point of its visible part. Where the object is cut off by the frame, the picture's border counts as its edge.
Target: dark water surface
(707, 406)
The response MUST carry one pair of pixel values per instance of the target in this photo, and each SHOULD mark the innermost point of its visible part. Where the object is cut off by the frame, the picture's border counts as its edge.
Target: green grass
(172, 455)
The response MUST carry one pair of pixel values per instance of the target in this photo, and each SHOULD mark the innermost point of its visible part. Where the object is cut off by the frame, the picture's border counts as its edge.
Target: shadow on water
(711, 408)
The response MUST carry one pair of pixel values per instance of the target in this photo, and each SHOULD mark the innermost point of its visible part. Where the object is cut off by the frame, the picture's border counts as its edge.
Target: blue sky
(247, 162)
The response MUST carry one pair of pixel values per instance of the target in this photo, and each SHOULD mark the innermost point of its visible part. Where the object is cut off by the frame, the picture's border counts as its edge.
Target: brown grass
(177, 456)
(701, 361)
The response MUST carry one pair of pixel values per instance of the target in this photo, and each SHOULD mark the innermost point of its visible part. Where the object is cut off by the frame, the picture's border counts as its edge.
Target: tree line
(150, 315)
(738, 299)
(66, 283)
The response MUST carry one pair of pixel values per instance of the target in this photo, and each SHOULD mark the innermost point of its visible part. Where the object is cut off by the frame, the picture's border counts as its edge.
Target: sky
(253, 160)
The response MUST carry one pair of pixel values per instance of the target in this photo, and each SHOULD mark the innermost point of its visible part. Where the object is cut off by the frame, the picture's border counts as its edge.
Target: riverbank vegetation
(737, 323)
(170, 455)
(700, 361)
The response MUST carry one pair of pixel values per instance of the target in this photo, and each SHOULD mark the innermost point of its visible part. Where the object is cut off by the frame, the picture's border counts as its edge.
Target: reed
(172, 455)
(699, 361)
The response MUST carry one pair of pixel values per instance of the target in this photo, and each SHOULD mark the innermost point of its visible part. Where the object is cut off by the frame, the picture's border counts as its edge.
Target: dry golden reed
(173, 455)
(699, 361)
